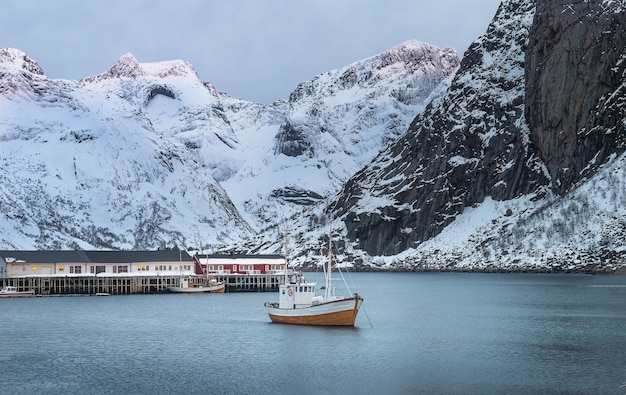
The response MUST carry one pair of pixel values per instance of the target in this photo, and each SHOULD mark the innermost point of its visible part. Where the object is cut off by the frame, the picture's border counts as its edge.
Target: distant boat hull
(340, 312)
(12, 292)
(217, 288)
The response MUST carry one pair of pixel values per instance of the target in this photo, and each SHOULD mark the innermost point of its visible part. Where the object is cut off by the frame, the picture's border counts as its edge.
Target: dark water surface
(429, 334)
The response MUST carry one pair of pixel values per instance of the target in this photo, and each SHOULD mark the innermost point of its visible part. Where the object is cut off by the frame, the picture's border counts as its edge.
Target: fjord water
(430, 333)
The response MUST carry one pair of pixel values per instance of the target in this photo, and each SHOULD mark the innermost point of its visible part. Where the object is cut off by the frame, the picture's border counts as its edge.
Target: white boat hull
(218, 288)
(12, 292)
(340, 312)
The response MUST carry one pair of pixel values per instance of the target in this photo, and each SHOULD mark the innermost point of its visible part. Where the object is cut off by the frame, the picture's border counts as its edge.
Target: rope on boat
(368, 317)
(354, 285)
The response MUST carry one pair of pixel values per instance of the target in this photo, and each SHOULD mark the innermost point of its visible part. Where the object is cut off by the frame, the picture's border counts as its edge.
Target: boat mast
(286, 254)
(328, 290)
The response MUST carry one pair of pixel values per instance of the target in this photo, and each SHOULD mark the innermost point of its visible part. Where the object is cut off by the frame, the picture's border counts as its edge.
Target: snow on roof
(80, 256)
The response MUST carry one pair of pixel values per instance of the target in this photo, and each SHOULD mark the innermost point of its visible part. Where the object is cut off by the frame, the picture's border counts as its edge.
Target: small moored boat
(10, 291)
(187, 286)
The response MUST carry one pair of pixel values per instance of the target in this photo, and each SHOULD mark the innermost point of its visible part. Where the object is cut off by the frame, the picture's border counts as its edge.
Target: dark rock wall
(575, 74)
(471, 144)
(538, 102)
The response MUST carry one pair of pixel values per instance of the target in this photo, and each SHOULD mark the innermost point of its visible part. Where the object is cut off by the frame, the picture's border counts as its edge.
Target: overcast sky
(252, 49)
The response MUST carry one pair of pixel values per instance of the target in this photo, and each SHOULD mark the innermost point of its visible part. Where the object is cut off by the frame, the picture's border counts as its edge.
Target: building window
(75, 269)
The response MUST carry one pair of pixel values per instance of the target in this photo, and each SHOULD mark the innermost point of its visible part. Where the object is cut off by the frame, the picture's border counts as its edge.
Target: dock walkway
(128, 285)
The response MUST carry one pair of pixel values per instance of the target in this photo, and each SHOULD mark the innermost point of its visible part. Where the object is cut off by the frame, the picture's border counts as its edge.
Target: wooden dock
(129, 285)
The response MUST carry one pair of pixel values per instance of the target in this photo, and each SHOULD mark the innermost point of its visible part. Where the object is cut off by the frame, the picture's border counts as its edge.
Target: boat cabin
(299, 294)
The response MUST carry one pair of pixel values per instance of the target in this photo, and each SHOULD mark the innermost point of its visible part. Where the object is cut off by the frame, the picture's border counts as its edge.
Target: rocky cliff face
(470, 144)
(575, 71)
(536, 106)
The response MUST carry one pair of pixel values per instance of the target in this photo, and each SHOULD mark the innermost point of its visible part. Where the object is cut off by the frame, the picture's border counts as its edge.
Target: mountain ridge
(155, 147)
(470, 168)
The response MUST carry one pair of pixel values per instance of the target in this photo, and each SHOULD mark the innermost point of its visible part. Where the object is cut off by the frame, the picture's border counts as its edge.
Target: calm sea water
(416, 334)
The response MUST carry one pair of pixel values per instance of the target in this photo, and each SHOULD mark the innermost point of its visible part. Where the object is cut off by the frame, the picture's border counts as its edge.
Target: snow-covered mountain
(298, 152)
(146, 155)
(513, 159)
(105, 162)
(508, 170)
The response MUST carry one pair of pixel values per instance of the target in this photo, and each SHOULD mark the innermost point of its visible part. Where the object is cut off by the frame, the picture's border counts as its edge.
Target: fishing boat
(186, 286)
(299, 304)
(12, 292)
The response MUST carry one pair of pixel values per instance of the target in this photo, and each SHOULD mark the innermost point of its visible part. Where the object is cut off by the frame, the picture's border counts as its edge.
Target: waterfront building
(127, 272)
(78, 263)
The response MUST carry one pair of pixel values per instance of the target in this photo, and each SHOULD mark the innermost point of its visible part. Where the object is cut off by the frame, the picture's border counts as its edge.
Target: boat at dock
(12, 292)
(299, 304)
(186, 286)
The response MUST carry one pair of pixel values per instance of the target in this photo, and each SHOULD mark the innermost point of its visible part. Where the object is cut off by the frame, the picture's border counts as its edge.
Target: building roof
(45, 256)
(138, 256)
(79, 256)
(240, 256)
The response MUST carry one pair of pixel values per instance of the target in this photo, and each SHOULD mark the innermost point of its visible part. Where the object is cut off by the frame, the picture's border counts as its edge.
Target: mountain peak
(414, 52)
(14, 58)
(128, 66)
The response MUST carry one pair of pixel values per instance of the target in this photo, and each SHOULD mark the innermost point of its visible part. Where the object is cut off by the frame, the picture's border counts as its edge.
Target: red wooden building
(242, 264)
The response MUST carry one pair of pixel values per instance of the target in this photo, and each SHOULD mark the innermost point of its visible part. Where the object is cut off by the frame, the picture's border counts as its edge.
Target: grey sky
(253, 49)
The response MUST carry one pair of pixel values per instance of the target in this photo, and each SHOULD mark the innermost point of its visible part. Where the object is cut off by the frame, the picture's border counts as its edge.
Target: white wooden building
(89, 263)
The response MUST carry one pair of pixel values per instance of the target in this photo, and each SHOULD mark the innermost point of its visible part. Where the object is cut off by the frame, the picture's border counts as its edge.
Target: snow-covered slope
(299, 151)
(584, 231)
(109, 162)
(146, 155)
